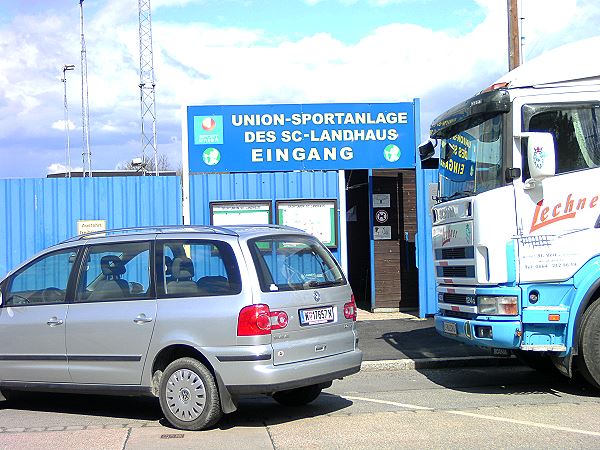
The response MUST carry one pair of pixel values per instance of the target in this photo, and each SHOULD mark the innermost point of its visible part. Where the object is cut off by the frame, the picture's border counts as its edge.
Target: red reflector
(254, 320)
(350, 310)
(455, 308)
(279, 320)
(553, 317)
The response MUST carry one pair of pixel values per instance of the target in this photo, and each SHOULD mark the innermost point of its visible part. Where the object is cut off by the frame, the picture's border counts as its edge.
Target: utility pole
(85, 110)
(65, 68)
(147, 85)
(514, 58)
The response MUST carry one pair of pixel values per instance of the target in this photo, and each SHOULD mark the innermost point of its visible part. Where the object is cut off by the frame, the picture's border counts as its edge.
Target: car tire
(588, 361)
(299, 396)
(188, 395)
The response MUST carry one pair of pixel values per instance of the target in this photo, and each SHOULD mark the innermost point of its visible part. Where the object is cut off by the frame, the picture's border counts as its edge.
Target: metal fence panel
(273, 186)
(37, 213)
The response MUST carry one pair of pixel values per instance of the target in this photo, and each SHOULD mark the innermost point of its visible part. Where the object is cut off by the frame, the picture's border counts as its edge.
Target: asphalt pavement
(403, 340)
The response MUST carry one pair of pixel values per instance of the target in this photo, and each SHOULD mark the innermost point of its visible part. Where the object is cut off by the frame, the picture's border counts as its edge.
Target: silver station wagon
(196, 316)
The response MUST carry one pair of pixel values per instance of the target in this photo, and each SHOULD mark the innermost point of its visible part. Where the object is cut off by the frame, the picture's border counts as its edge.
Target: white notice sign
(241, 214)
(381, 200)
(90, 226)
(381, 233)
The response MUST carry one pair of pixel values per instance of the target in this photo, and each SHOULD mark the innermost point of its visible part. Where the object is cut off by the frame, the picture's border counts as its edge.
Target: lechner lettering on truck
(516, 224)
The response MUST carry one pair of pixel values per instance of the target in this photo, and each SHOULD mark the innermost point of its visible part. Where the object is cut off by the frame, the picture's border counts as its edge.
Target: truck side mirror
(427, 150)
(541, 155)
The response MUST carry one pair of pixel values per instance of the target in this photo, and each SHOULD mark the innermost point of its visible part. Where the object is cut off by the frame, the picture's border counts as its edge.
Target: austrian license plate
(450, 328)
(314, 316)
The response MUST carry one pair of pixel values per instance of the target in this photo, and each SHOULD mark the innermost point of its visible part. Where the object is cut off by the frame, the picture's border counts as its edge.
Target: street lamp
(67, 147)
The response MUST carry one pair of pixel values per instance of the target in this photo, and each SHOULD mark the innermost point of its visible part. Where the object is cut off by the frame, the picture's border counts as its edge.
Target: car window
(43, 281)
(117, 271)
(198, 269)
(294, 262)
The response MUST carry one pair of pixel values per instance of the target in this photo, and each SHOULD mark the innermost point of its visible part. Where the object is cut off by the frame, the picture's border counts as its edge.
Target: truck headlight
(497, 305)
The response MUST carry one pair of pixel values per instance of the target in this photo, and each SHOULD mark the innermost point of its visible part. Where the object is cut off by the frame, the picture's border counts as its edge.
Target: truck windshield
(471, 160)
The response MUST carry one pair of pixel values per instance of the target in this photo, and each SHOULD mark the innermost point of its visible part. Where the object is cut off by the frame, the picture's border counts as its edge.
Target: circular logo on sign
(381, 216)
(211, 156)
(391, 153)
(209, 124)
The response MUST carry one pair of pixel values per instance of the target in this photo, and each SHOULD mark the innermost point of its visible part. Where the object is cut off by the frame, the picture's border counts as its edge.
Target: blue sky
(246, 52)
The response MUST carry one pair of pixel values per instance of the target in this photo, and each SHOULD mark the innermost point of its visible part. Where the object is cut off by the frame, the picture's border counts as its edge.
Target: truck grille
(459, 299)
(456, 271)
(457, 314)
(454, 253)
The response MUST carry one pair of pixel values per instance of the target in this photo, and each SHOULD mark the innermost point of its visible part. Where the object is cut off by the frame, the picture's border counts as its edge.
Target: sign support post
(185, 176)
(343, 243)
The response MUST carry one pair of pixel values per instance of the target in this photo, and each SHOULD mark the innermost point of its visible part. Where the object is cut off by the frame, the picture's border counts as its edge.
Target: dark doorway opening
(359, 244)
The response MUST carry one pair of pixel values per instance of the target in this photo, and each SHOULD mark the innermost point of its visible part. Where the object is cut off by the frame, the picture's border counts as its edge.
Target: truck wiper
(459, 194)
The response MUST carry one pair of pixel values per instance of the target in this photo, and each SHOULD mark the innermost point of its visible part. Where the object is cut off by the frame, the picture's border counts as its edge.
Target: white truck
(516, 224)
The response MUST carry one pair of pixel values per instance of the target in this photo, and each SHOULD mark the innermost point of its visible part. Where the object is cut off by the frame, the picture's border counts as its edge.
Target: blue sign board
(260, 138)
(457, 162)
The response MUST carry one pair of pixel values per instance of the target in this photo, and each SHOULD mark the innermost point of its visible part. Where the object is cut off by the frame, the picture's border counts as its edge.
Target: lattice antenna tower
(147, 85)
(85, 109)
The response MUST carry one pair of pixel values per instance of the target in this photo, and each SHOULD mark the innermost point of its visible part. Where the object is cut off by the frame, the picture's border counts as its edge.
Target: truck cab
(516, 224)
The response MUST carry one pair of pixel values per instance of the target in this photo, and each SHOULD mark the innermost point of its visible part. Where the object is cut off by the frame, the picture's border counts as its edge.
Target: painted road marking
(386, 402)
(524, 422)
(478, 416)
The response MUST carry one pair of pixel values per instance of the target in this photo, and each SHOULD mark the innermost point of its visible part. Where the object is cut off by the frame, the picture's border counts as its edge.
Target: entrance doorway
(381, 228)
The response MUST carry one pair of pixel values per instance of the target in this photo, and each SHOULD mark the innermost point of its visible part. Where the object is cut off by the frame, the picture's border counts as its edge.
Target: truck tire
(589, 345)
(299, 396)
(188, 395)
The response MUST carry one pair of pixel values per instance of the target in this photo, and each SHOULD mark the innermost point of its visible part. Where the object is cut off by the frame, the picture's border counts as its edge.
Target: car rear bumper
(264, 377)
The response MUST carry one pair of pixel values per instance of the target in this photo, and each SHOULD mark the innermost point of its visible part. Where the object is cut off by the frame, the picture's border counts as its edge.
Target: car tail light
(350, 310)
(254, 320)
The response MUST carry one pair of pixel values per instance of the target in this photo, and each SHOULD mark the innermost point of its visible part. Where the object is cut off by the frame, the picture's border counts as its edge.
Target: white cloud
(61, 168)
(204, 64)
(60, 125)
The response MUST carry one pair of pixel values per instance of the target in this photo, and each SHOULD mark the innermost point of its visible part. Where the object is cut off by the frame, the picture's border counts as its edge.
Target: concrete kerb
(437, 363)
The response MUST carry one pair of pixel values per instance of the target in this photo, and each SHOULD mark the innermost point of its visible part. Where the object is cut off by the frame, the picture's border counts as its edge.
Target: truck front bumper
(482, 333)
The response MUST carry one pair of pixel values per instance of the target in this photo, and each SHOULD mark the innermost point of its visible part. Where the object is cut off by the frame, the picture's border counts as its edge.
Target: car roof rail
(152, 229)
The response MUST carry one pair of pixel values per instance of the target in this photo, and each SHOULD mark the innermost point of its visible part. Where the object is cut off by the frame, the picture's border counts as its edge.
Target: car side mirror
(541, 156)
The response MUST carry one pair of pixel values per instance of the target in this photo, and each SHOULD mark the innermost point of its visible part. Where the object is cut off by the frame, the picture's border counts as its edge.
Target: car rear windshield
(286, 263)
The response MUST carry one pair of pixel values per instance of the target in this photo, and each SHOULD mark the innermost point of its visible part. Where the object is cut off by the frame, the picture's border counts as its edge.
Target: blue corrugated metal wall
(271, 186)
(427, 297)
(37, 213)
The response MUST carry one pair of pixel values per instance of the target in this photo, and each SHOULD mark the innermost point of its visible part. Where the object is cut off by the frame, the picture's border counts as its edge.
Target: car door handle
(54, 321)
(142, 319)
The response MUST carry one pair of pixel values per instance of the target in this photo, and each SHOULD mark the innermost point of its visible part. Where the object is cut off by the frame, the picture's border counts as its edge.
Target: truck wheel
(188, 395)
(299, 396)
(589, 345)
